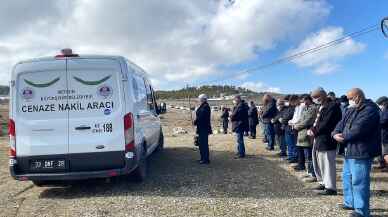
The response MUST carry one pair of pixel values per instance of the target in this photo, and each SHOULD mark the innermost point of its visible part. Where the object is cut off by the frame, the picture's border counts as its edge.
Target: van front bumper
(130, 165)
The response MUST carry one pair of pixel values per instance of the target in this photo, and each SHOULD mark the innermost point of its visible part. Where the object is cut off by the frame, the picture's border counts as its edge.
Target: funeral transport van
(78, 117)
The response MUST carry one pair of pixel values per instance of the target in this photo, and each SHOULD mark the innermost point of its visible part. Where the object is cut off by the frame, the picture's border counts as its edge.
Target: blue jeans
(270, 135)
(291, 144)
(240, 144)
(356, 182)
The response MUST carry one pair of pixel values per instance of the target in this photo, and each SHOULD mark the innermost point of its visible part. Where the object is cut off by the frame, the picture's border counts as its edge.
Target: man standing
(239, 120)
(325, 147)
(359, 131)
(202, 121)
(291, 133)
(279, 126)
(269, 112)
(253, 120)
(382, 102)
(305, 143)
(225, 119)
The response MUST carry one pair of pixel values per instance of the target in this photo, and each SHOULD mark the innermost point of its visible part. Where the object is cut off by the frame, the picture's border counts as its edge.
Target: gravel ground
(260, 185)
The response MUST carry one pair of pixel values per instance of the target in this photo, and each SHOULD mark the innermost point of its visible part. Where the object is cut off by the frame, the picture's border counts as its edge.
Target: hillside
(4, 90)
(212, 91)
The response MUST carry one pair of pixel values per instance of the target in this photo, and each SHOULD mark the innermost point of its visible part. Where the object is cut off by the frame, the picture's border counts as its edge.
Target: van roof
(88, 56)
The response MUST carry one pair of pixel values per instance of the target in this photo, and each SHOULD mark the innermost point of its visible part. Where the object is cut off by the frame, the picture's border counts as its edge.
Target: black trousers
(301, 157)
(203, 140)
(252, 129)
(225, 125)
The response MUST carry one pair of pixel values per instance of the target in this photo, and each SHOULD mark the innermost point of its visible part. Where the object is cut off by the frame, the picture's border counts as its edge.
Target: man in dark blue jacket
(359, 131)
(239, 118)
(202, 121)
(269, 112)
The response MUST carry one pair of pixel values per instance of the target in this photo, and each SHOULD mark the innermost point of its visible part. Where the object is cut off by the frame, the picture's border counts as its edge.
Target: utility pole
(384, 26)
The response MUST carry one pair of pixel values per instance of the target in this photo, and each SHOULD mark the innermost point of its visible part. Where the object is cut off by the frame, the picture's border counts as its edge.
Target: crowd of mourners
(311, 130)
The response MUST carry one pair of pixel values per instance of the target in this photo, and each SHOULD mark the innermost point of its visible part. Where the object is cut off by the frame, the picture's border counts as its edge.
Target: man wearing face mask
(304, 145)
(269, 112)
(359, 132)
(325, 147)
(382, 102)
(239, 118)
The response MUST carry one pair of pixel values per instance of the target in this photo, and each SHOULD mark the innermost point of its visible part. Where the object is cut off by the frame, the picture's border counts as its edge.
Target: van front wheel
(140, 173)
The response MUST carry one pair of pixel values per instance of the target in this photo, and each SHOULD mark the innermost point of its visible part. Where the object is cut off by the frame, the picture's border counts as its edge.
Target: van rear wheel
(140, 173)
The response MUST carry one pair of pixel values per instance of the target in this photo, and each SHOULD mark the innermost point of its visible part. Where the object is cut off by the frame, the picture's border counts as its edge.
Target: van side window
(141, 89)
(150, 97)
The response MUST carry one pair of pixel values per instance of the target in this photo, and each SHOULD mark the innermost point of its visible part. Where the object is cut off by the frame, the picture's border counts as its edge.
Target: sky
(202, 42)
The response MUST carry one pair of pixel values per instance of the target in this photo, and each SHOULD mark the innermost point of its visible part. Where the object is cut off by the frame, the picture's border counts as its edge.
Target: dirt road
(260, 185)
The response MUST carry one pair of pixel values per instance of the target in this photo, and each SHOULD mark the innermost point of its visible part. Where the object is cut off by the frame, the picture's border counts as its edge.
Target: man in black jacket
(225, 119)
(269, 112)
(202, 121)
(253, 120)
(239, 118)
(382, 102)
(325, 147)
(359, 131)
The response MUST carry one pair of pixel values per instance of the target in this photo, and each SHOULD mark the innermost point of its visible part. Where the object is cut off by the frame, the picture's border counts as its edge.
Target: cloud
(260, 87)
(327, 60)
(175, 41)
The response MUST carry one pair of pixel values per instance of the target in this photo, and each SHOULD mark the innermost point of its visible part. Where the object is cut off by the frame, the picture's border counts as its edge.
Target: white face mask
(234, 102)
(279, 108)
(316, 101)
(381, 107)
(352, 103)
(287, 104)
(302, 105)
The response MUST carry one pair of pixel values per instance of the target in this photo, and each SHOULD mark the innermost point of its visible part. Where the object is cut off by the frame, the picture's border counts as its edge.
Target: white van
(78, 117)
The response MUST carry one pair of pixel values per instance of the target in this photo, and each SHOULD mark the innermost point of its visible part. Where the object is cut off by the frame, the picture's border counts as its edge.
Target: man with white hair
(359, 132)
(203, 123)
(325, 147)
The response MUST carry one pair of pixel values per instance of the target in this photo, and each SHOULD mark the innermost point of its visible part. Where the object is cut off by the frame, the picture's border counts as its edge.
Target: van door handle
(83, 128)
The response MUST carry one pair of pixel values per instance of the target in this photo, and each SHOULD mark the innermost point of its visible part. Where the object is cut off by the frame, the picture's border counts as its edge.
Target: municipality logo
(27, 93)
(105, 91)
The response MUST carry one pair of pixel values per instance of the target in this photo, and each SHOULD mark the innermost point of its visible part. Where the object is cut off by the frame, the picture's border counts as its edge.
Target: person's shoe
(355, 214)
(299, 168)
(309, 179)
(292, 161)
(204, 162)
(328, 192)
(319, 188)
(238, 157)
(250, 137)
(282, 154)
(344, 207)
(269, 149)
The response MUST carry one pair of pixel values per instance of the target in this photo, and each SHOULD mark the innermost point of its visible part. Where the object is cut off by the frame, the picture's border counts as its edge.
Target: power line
(291, 57)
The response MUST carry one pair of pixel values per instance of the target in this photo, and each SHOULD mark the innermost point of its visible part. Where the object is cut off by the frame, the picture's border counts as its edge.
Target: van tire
(161, 142)
(140, 173)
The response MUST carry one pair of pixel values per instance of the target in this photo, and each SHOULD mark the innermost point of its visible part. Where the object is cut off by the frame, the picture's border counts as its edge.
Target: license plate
(48, 164)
